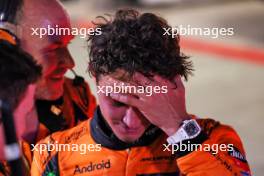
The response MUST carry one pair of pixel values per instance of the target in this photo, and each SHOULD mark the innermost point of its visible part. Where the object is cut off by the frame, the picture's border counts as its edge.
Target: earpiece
(78, 80)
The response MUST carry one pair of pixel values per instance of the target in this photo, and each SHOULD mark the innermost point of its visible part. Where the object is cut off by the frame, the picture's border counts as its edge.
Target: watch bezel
(182, 135)
(193, 123)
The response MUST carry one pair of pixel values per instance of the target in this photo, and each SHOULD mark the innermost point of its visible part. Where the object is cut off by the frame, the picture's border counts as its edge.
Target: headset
(8, 11)
(8, 32)
(6, 35)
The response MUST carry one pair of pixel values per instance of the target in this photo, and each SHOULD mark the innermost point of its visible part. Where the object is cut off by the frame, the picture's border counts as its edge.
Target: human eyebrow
(118, 104)
(52, 46)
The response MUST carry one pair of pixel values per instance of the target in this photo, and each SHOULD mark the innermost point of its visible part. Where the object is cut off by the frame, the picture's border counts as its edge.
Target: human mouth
(56, 79)
(57, 76)
(130, 131)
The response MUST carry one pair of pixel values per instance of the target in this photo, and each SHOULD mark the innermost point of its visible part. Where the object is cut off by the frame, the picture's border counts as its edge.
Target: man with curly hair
(138, 133)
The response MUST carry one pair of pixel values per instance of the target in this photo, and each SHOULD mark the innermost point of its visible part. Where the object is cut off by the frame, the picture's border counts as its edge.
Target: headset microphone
(78, 80)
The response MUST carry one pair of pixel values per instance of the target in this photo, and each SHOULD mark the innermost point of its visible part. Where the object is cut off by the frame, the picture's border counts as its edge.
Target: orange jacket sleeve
(217, 163)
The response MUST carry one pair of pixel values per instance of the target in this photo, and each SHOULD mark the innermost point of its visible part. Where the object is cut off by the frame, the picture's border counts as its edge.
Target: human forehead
(115, 79)
(60, 32)
(54, 42)
(47, 42)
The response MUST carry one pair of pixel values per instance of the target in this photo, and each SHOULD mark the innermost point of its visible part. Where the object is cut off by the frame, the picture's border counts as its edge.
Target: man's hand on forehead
(139, 79)
(155, 80)
(165, 110)
(112, 81)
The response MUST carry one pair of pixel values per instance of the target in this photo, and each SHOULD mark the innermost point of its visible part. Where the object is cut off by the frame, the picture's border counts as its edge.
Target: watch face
(191, 129)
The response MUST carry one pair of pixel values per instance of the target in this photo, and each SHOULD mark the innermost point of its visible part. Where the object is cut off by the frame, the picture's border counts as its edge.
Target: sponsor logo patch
(92, 167)
(158, 158)
(245, 173)
(235, 153)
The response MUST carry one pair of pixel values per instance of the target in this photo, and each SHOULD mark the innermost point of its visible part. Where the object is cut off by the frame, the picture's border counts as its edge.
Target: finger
(165, 82)
(125, 87)
(126, 99)
(142, 80)
(178, 81)
(110, 81)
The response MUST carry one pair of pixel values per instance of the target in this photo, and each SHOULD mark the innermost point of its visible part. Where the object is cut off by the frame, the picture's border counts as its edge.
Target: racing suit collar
(102, 134)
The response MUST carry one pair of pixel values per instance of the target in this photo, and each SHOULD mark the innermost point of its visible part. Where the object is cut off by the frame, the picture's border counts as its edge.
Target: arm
(216, 162)
(172, 106)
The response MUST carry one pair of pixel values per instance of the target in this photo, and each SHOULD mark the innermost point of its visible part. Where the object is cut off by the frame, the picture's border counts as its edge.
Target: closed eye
(118, 104)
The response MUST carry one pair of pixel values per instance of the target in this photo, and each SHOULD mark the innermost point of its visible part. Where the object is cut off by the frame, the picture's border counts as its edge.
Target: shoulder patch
(235, 153)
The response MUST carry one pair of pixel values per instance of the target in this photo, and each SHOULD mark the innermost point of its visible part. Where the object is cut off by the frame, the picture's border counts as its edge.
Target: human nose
(66, 59)
(132, 118)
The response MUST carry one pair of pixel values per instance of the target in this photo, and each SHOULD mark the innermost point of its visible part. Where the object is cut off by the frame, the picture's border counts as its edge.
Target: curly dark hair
(17, 71)
(136, 42)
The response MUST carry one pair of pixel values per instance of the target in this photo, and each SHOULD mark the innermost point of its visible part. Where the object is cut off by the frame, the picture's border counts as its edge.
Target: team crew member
(59, 99)
(18, 76)
(133, 128)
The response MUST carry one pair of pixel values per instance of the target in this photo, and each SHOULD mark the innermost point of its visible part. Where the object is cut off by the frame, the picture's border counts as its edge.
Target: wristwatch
(188, 130)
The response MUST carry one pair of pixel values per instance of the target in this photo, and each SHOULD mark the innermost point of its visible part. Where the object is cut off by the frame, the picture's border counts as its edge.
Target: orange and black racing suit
(106, 155)
(77, 101)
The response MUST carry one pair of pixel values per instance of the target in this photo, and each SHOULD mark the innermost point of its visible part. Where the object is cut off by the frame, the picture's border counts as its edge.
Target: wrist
(173, 127)
(188, 130)
(172, 130)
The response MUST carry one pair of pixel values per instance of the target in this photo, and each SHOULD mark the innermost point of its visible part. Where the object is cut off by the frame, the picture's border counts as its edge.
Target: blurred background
(228, 82)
